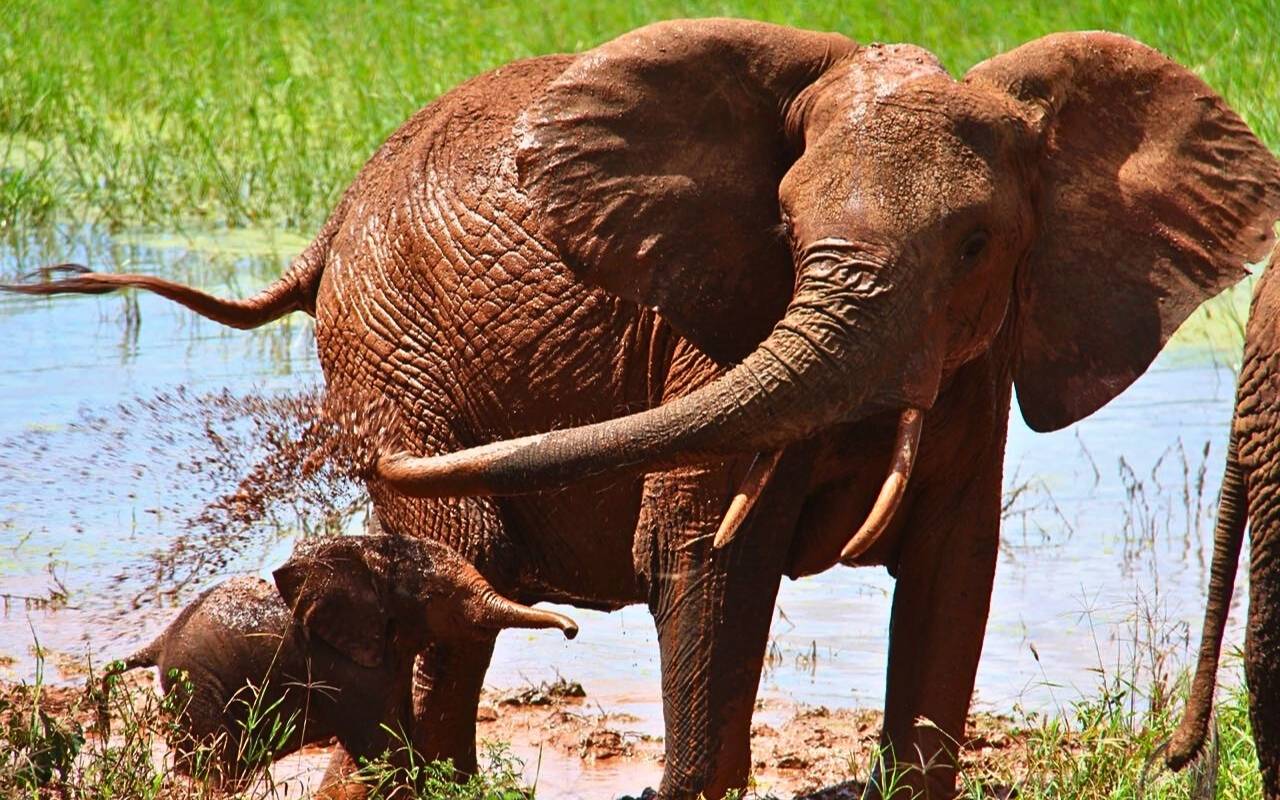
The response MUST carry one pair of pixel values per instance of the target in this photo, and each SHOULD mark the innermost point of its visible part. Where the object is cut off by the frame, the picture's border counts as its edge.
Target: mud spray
(214, 477)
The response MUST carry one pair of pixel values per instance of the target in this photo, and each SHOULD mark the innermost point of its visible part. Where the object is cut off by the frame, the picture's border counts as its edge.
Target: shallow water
(1109, 520)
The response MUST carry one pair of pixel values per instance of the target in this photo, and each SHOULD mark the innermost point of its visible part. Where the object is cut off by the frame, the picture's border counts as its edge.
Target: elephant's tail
(1233, 514)
(295, 290)
(146, 657)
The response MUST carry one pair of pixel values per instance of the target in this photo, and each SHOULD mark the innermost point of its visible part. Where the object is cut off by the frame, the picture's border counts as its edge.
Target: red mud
(573, 748)
(219, 475)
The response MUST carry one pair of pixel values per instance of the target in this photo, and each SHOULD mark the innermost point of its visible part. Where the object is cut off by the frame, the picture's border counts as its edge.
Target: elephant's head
(848, 225)
(364, 595)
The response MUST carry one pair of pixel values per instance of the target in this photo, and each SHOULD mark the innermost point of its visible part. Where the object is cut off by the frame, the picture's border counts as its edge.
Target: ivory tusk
(894, 487)
(748, 492)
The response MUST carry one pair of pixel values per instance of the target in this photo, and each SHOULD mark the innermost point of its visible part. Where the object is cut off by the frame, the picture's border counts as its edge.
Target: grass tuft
(241, 113)
(116, 738)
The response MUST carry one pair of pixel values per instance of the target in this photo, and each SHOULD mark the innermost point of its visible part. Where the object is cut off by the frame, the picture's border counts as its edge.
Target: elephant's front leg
(712, 609)
(448, 675)
(446, 691)
(940, 604)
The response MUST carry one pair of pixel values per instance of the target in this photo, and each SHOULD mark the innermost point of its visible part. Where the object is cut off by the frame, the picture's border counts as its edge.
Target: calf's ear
(333, 594)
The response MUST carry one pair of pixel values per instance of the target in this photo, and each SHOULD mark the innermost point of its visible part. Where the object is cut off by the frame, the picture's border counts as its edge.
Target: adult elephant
(744, 273)
(1250, 489)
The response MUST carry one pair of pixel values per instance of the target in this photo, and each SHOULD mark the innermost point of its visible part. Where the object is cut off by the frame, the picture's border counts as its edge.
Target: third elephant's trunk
(825, 362)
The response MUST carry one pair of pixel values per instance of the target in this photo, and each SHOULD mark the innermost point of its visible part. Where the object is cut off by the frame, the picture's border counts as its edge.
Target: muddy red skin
(1249, 493)
(830, 234)
(329, 648)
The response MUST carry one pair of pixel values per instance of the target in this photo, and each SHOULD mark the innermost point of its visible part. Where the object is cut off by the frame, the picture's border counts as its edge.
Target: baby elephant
(331, 651)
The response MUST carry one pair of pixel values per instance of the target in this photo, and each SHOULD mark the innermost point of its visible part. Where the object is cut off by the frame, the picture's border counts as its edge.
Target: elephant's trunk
(472, 598)
(821, 365)
(489, 609)
(1233, 513)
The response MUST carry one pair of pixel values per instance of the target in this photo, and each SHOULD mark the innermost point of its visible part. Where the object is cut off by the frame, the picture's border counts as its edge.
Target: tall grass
(1108, 745)
(245, 113)
(49, 749)
(113, 741)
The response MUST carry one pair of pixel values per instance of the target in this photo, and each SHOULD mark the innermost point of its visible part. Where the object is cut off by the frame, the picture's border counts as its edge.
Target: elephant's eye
(973, 246)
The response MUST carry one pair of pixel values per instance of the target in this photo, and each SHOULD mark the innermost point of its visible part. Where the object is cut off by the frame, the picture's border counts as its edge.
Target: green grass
(111, 741)
(1107, 749)
(1098, 752)
(247, 113)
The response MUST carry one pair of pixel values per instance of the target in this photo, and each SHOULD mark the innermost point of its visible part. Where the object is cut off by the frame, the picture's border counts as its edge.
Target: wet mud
(571, 747)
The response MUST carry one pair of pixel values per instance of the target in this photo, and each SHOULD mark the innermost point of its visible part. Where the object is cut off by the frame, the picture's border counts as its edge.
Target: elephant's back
(440, 289)
(226, 637)
(246, 604)
(441, 294)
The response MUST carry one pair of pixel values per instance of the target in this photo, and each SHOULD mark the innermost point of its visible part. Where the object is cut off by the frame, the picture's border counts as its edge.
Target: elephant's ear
(654, 161)
(1152, 196)
(333, 595)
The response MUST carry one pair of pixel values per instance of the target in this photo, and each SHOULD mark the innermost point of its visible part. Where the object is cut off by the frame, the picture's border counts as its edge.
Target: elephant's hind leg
(1262, 635)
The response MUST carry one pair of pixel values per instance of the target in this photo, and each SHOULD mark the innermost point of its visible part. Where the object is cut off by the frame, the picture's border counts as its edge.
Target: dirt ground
(572, 747)
(813, 753)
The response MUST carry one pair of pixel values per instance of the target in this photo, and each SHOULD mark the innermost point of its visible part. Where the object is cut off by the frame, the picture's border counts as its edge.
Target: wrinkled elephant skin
(1250, 489)
(596, 289)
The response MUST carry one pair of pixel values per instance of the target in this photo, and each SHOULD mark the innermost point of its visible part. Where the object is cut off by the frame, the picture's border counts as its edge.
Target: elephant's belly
(467, 358)
(582, 540)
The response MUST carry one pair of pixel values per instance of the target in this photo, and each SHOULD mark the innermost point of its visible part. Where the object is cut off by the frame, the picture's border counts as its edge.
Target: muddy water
(1107, 524)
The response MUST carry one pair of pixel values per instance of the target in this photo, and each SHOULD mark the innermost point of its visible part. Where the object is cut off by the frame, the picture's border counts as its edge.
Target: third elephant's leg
(1262, 636)
(712, 609)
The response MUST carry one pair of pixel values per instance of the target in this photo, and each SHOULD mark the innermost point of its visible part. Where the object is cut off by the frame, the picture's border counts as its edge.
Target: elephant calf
(331, 652)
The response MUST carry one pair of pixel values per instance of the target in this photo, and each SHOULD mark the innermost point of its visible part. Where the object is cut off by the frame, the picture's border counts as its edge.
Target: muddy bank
(816, 753)
(570, 745)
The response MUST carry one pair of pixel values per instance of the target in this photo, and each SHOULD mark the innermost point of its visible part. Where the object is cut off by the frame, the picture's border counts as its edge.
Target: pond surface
(1106, 539)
